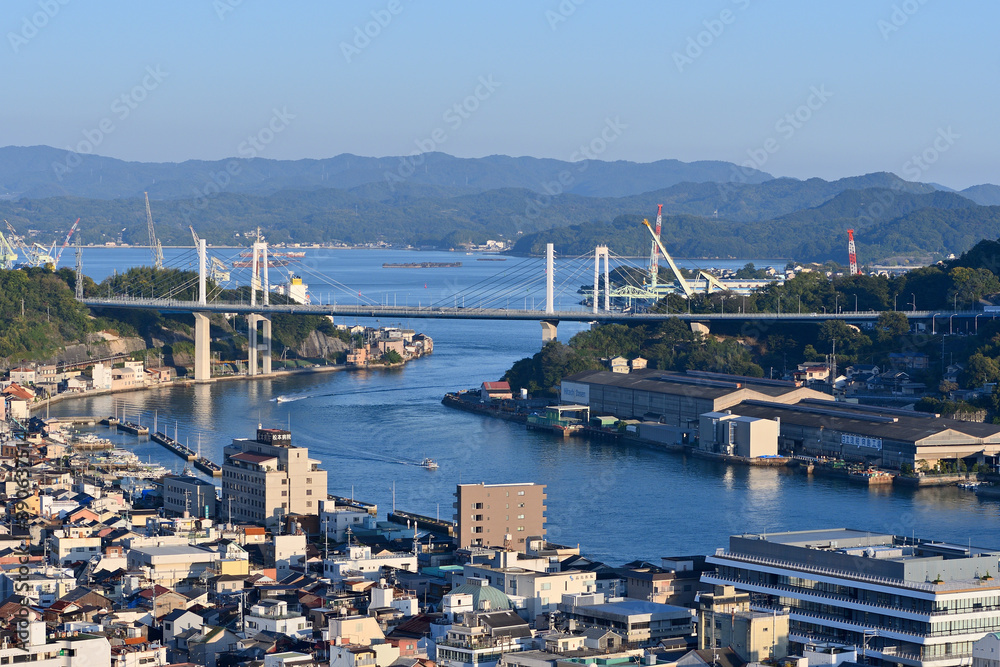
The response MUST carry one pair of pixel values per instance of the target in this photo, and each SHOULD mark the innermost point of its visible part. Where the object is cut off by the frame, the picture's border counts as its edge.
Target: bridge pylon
(601, 252)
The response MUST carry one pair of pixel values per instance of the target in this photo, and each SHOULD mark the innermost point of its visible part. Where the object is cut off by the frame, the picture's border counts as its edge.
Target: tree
(889, 325)
(972, 284)
(979, 370)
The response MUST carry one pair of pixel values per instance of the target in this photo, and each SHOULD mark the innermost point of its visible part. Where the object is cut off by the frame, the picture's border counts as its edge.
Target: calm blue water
(619, 503)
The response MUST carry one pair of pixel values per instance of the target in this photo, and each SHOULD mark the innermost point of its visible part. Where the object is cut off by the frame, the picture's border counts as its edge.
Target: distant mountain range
(37, 172)
(712, 209)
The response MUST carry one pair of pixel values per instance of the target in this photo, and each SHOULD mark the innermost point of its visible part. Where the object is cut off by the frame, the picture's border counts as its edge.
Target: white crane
(154, 244)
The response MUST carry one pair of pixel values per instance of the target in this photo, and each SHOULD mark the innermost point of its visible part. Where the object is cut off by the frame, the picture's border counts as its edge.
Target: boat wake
(288, 399)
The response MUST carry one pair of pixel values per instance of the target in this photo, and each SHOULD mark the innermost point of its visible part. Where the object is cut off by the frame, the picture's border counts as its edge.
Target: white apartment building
(335, 520)
(60, 649)
(541, 591)
(361, 559)
(172, 566)
(43, 584)
(268, 478)
(905, 601)
(274, 616)
(67, 549)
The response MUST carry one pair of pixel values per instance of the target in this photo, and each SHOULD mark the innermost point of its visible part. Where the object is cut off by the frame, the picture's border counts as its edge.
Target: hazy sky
(796, 88)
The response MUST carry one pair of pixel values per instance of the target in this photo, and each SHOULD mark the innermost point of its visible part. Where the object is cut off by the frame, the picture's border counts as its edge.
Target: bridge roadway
(459, 313)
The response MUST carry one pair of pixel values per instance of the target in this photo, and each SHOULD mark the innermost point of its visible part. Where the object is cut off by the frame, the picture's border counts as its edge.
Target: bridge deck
(459, 313)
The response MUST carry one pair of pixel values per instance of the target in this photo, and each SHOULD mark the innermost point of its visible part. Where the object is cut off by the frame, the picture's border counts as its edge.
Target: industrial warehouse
(674, 409)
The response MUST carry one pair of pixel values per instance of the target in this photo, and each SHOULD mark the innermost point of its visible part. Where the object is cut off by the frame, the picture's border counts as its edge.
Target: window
(309, 492)
(520, 493)
(309, 480)
(284, 493)
(309, 503)
(520, 516)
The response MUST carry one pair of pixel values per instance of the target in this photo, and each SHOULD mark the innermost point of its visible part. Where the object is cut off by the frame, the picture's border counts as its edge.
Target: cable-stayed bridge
(525, 291)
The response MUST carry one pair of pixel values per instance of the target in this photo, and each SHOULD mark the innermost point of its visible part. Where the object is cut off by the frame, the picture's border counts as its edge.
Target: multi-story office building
(187, 494)
(268, 478)
(900, 600)
(499, 515)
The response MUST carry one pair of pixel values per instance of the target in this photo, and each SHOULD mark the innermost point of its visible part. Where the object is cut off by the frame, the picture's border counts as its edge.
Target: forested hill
(447, 202)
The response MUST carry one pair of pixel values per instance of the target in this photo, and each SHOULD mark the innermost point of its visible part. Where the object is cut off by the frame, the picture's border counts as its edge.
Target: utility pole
(326, 538)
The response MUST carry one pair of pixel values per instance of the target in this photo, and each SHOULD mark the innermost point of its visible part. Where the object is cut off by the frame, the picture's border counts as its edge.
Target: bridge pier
(261, 344)
(549, 330)
(700, 327)
(266, 347)
(202, 348)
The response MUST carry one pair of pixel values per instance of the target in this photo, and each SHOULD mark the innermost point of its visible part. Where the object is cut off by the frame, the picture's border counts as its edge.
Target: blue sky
(796, 88)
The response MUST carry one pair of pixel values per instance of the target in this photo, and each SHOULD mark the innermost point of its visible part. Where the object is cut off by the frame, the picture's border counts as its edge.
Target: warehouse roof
(696, 385)
(869, 421)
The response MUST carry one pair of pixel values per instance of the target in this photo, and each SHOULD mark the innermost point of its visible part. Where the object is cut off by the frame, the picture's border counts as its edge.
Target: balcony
(840, 574)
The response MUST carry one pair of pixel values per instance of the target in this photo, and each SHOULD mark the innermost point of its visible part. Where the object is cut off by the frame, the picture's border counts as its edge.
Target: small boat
(430, 464)
(281, 399)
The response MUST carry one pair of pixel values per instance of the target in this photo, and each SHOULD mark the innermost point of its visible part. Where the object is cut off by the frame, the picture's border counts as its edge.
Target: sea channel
(619, 502)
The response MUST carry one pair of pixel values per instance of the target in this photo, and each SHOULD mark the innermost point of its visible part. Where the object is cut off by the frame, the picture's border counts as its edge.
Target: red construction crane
(66, 242)
(852, 253)
(654, 252)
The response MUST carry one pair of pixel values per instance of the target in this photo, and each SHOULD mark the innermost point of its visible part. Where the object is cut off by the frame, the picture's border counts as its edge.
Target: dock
(134, 429)
(174, 446)
(438, 526)
(207, 466)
